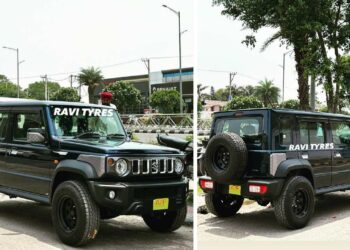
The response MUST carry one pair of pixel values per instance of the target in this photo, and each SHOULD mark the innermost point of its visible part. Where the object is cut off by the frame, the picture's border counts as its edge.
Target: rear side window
(285, 132)
(3, 124)
(249, 128)
(25, 121)
(340, 133)
(312, 132)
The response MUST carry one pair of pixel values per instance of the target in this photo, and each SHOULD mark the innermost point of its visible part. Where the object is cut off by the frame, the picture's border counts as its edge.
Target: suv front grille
(152, 166)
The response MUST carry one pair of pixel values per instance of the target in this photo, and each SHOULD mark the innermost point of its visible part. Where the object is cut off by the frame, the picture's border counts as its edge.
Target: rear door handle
(337, 155)
(305, 156)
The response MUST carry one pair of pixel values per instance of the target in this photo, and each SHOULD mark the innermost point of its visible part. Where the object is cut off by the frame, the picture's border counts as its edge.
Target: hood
(116, 147)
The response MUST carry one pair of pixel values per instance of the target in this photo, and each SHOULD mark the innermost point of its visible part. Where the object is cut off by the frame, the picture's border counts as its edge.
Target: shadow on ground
(262, 222)
(125, 232)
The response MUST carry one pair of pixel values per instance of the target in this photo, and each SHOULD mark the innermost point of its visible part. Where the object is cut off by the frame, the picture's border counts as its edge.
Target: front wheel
(75, 215)
(223, 205)
(296, 204)
(165, 221)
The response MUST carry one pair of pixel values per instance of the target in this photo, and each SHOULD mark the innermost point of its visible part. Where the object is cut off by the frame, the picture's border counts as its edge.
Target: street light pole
(284, 65)
(18, 62)
(180, 56)
(147, 63)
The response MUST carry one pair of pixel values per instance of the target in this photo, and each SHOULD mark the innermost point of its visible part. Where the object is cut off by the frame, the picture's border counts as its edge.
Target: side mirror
(35, 135)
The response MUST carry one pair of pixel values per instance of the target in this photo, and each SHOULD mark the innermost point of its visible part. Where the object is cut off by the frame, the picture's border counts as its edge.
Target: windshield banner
(69, 111)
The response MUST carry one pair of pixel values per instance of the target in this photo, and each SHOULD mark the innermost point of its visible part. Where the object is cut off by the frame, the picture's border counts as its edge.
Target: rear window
(249, 128)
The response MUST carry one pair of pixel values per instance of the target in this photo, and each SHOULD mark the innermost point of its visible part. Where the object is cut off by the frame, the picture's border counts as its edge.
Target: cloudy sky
(220, 51)
(63, 36)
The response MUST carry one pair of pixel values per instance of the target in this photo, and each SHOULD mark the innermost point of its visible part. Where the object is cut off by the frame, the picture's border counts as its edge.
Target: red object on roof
(106, 95)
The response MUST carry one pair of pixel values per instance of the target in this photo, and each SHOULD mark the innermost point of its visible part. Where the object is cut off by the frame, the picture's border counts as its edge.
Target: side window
(25, 121)
(312, 132)
(3, 125)
(340, 133)
(285, 132)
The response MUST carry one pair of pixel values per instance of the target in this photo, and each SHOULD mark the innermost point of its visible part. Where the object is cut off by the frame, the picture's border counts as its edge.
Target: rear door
(4, 129)
(315, 146)
(340, 132)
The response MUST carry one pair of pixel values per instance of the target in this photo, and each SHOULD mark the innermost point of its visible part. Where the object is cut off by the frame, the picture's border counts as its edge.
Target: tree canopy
(124, 95)
(66, 94)
(243, 102)
(36, 90)
(90, 77)
(267, 92)
(166, 101)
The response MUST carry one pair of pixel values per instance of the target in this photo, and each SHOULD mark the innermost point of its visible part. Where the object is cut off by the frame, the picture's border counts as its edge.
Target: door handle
(305, 156)
(337, 155)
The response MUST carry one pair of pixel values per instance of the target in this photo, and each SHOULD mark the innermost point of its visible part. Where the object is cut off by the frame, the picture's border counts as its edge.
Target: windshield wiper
(88, 135)
(116, 135)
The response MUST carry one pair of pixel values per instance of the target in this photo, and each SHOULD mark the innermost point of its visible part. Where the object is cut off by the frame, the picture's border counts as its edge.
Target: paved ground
(330, 223)
(27, 225)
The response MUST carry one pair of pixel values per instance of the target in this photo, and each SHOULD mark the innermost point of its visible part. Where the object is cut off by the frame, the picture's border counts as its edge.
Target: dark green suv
(78, 158)
(282, 157)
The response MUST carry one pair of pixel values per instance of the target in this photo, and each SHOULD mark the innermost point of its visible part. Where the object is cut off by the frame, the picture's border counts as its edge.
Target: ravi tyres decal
(69, 111)
(316, 146)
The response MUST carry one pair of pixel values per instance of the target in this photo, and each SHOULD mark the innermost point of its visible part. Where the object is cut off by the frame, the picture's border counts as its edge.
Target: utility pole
(71, 81)
(283, 68)
(18, 63)
(232, 76)
(46, 87)
(180, 56)
(147, 63)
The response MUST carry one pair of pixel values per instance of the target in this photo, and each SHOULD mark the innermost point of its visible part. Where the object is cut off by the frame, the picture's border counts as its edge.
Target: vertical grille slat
(152, 166)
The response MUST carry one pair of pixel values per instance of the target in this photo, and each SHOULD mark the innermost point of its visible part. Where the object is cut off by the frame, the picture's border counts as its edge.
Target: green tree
(36, 90)
(166, 101)
(243, 102)
(291, 104)
(125, 95)
(7, 88)
(267, 92)
(66, 94)
(90, 77)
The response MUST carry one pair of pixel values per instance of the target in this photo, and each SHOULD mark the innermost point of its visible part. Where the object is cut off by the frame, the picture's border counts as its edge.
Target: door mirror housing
(35, 135)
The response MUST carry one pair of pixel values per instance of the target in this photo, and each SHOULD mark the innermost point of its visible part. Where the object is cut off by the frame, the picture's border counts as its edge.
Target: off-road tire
(87, 214)
(165, 221)
(237, 159)
(283, 207)
(107, 213)
(223, 205)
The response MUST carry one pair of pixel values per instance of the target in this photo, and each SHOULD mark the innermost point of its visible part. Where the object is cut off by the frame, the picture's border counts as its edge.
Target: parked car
(277, 156)
(78, 158)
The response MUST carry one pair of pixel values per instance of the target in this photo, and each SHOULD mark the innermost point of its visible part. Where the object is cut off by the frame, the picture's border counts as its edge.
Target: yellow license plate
(234, 189)
(161, 204)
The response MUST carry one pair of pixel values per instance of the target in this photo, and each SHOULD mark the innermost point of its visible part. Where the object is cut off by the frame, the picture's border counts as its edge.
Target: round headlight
(121, 167)
(179, 166)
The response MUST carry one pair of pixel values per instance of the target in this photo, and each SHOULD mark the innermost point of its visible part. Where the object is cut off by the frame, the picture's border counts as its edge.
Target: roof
(289, 111)
(16, 102)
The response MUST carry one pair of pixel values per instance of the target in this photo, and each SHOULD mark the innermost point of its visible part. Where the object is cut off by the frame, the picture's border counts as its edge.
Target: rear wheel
(223, 205)
(296, 204)
(165, 221)
(75, 215)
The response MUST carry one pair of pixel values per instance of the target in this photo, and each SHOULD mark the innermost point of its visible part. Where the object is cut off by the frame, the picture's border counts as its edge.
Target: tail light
(258, 189)
(206, 184)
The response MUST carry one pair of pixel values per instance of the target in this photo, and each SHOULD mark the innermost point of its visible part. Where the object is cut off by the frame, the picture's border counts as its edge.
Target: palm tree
(267, 92)
(90, 77)
(200, 89)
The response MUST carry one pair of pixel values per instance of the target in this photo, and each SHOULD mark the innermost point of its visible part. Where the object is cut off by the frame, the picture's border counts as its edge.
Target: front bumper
(137, 197)
(274, 187)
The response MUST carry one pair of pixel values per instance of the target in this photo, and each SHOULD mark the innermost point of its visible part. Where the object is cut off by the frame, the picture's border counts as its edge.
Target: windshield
(86, 122)
(249, 128)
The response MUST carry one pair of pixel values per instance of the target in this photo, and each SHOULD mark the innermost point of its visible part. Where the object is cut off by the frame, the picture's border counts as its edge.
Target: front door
(315, 147)
(28, 164)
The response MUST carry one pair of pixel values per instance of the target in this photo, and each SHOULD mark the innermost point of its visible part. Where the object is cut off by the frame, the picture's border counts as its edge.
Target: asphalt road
(27, 225)
(331, 223)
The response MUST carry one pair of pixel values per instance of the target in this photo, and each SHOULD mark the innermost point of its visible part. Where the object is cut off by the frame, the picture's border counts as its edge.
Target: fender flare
(81, 168)
(287, 166)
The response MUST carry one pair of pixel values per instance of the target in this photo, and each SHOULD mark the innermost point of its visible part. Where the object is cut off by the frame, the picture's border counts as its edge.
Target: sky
(65, 36)
(220, 51)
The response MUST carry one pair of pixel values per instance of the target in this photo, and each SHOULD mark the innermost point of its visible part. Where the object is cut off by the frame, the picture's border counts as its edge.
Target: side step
(26, 195)
(330, 189)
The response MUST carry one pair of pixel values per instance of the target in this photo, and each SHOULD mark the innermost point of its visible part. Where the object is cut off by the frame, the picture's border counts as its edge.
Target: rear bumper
(137, 197)
(274, 187)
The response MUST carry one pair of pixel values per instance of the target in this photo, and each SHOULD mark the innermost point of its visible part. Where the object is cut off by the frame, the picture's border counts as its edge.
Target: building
(160, 80)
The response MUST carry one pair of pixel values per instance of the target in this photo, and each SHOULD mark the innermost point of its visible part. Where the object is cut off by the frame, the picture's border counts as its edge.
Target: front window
(249, 128)
(86, 123)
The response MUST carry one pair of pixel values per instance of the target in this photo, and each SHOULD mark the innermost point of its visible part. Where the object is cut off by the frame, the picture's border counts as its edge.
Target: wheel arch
(293, 167)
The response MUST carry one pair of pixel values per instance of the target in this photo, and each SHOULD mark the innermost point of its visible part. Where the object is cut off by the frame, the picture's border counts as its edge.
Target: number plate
(161, 204)
(234, 189)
